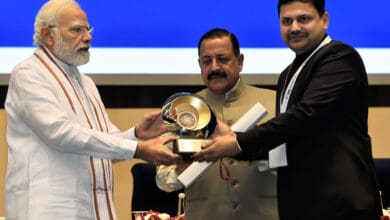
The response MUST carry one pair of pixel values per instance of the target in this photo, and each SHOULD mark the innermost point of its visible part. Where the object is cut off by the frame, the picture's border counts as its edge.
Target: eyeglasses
(77, 29)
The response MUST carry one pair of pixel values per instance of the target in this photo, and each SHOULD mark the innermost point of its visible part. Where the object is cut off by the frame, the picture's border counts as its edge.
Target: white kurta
(60, 142)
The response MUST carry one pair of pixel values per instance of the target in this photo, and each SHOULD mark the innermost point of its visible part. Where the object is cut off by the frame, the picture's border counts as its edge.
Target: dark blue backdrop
(178, 23)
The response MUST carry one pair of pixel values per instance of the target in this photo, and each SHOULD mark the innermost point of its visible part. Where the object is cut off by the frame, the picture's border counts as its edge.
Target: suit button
(231, 161)
(227, 105)
(234, 204)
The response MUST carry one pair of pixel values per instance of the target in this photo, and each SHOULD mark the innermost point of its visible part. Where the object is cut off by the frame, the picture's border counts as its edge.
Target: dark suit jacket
(330, 169)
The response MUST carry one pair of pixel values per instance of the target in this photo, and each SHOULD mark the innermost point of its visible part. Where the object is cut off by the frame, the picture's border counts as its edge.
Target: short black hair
(218, 33)
(319, 5)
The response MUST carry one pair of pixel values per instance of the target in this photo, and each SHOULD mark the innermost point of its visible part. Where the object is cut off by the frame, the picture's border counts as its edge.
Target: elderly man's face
(220, 68)
(72, 38)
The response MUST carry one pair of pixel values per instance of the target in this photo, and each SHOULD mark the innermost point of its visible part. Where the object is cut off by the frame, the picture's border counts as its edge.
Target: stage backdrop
(160, 37)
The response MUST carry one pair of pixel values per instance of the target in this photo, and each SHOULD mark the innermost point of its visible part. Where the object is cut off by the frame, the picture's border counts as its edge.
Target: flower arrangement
(154, 215)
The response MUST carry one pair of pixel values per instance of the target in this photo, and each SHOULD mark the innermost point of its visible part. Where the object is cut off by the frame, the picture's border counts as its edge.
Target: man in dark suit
(322, 105)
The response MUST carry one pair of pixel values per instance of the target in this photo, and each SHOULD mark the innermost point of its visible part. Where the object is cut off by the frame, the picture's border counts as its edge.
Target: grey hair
(48, 15)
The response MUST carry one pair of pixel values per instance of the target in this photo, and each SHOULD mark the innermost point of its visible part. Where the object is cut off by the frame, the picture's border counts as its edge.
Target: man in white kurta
(60, 138)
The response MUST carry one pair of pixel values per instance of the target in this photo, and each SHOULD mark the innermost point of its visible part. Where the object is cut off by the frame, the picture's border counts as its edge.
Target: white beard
(71, 56)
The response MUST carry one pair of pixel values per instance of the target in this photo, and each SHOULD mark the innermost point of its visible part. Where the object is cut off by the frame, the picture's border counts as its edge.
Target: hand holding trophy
(191, 118)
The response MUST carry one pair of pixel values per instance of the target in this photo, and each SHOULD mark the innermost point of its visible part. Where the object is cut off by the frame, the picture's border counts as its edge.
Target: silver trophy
(191, 118)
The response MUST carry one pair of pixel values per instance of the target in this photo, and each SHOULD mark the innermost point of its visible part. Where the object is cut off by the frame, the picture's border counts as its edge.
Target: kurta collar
(232, 95)
(70, 70)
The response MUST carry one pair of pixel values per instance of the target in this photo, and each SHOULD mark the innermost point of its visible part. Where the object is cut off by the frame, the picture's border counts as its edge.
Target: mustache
(296, 34)
(214, 74)
(83, 47)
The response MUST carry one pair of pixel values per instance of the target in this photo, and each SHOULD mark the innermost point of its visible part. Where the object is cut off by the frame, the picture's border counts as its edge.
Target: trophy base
(188, 146)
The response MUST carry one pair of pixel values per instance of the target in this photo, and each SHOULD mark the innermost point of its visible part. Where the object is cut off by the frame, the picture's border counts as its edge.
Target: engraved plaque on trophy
(191, 117)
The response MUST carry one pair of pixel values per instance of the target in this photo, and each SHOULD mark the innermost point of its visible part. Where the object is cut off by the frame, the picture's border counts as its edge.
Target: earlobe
(325, 18)
(47, 36)
(241, 60)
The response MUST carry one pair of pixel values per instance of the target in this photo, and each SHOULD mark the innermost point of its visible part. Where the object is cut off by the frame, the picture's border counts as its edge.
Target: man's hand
(151, 125)
(221, 129)
(154, 151)
(221, 146)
